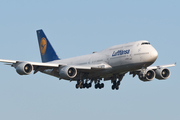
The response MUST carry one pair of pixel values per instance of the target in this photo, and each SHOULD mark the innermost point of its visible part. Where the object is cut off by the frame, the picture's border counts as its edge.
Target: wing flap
(92, 66)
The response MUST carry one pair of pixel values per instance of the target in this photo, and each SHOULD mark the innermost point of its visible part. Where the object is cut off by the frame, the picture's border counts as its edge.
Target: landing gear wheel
(89, 85)
(113, 87)
(96, 86)
(77, 86)
(102, 85)
(81, 86)
(84, 86)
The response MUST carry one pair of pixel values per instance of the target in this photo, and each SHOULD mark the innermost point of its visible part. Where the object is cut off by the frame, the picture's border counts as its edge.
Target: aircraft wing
(56, 65)
(161, 66)
(8, 61)
(32, 63)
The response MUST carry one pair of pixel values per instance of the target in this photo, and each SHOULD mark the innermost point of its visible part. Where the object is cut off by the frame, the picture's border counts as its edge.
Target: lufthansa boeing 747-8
(110, 64)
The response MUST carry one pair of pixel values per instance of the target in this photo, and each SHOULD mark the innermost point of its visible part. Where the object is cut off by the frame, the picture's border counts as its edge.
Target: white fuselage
(121, 58)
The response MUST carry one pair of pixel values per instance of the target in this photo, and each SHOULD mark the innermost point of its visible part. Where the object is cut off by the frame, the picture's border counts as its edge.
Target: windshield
(145, 43)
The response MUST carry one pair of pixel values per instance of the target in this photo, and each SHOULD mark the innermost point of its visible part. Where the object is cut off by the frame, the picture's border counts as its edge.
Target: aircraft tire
(81, 86)
(89, 84)
(117, 87)
(84, 85)
(77, 86)
(102, 85)
(113, 87)
(96, 86)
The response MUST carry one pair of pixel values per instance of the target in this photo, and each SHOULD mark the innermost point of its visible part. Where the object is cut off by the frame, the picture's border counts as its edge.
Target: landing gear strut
(79, 84)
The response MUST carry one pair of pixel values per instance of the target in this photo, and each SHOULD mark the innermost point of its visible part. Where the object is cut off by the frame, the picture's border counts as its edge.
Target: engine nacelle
(68, 72)
(147, 75)
(24, 68)
(162, 73)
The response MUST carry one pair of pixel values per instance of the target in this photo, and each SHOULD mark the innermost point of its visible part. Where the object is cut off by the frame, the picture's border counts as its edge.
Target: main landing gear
(81, 84)
(116, 82)
(115, 85)
(115, 79)
(98, 85)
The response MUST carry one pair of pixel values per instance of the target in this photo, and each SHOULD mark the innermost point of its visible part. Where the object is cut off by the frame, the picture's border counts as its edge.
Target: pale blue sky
(81, 27)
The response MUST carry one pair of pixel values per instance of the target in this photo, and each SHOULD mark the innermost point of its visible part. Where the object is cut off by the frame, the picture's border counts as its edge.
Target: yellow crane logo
(43, 46)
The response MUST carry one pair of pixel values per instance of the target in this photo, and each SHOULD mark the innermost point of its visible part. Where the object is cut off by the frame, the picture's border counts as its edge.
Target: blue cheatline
(46, 50)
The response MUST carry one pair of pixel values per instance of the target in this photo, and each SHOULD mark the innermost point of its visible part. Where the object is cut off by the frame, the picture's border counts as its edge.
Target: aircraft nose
(154, 54)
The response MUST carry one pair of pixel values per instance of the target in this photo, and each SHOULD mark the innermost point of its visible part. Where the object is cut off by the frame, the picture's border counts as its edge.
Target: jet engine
(162, 73)
(24, 68)
(68, 72)
(147, 75)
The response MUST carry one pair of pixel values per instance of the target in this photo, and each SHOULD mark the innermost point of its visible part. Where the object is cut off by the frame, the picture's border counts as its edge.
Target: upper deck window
(145, 43)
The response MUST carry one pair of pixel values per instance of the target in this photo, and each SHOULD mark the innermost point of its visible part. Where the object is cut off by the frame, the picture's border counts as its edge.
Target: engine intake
(24, 68)
(68, 72)
(162, 73)
(147, 75)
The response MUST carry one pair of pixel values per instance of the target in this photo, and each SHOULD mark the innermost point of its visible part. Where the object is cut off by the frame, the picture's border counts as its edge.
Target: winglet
(46, 50)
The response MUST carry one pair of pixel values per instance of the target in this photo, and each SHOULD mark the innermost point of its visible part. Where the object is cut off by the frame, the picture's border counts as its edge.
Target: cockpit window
(145, 43)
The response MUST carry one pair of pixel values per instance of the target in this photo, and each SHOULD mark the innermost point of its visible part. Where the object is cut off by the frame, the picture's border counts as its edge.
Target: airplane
(109, 64)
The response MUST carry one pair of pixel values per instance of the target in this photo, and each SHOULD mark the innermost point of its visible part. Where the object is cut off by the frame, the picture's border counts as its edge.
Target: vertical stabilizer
(46, 50)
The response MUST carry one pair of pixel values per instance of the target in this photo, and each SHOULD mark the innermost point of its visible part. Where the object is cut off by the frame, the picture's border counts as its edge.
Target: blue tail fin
(46, 50)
